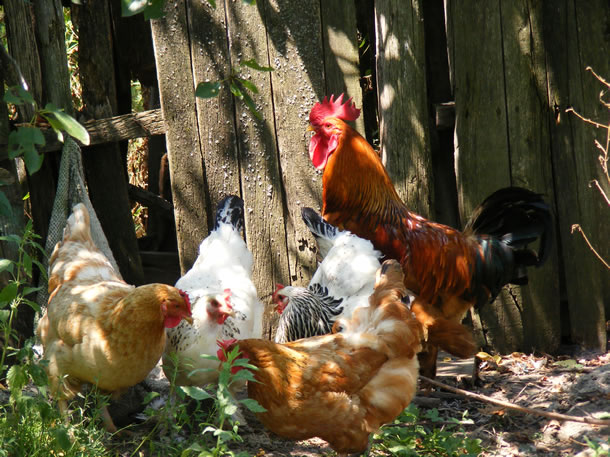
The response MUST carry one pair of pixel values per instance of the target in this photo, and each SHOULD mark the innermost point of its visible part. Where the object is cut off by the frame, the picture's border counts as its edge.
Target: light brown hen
(97, 329)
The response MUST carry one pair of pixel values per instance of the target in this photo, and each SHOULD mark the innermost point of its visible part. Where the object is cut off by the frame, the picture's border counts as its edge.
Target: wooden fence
(471, 97)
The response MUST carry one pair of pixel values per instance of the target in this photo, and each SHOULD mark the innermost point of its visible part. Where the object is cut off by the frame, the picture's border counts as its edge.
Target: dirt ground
(576, 385)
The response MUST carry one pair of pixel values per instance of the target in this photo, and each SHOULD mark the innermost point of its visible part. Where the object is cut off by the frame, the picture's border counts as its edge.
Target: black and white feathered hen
(223, 298)
(344, 281)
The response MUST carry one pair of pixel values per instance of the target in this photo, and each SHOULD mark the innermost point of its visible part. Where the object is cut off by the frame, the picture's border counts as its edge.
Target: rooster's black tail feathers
(505, 223)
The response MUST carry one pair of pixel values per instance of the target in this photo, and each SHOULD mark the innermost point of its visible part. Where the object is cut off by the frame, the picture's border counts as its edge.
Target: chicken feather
(341, 387)
(97, 329)
(448, 270)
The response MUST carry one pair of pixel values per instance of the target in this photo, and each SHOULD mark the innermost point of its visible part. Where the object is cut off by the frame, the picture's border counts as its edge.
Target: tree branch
(521, 409)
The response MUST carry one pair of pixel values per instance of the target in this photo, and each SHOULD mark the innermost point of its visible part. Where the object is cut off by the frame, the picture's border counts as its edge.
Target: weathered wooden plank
(258, 160)
(103, 164)
(117, 128)
(481, 143)
(530, 157)
(22, 46)
(215, 116)
(575, 34)
(403, 103)
(151, 200)
(295, 49)
(592, 21)
(341, 60)
(174, 73)
(108, 130)
(50, 35)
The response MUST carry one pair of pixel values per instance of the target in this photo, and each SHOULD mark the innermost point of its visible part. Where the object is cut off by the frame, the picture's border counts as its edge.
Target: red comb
(333, 108)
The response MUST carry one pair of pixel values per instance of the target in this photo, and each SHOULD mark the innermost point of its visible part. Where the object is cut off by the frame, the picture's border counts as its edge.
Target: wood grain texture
(171, 40)
(481, 143)
(577, 32)
(259, 168)
(295, 53)
(340, 40)
(527, 116)
(403, 103)
(104, 167)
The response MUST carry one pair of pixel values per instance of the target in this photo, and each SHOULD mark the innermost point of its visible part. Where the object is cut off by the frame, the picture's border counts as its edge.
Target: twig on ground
(522, 409)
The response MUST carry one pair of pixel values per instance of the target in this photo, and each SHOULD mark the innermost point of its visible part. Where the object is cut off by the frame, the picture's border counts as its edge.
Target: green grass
(417, 433)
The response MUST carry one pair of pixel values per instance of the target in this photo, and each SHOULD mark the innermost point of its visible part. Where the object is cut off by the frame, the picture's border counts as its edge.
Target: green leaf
(150, 396)
(248, 85)
(242, 375)
(27, 264)
(251, 106)
(208, 429)
(4, 315)
(253, 405)
(11, 97)
(6, 209)
(210, 357)
(230, 409)
(25, 95)
(38, 375)
(235, 90)
(249, 2)
(244, 363)
(45, 410)
(17, 95)
(60, 434)
(9, 292)
(154, 10)
(213, 3)
(196, 392)
(33, 160)
(255, 65)
(11, 238)
(16, 378)
(133, 7)
(23, 141)
(6, 265)
(68, 123)
(32, 304)
(208, 89)
(29, 290)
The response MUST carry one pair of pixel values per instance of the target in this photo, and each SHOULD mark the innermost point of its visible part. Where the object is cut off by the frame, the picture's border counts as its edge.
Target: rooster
(343, 281)
(448, 270)
(344, 386)
(225, 302)
(97, 329)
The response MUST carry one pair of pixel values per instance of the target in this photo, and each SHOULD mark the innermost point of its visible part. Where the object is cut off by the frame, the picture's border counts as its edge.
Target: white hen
(344, 281)
(223, 297)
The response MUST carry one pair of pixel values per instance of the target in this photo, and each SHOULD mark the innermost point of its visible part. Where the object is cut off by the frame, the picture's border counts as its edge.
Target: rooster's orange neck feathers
(348, 182)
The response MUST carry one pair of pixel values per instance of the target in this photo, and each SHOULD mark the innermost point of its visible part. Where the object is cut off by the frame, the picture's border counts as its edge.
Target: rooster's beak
(310, 128)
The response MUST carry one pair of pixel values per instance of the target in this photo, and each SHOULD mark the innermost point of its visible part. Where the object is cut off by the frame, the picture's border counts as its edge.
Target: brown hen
(344, 386)
(97, 329)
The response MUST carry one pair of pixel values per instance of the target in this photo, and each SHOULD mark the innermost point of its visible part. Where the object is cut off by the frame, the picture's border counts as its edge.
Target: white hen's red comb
(333, 108)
